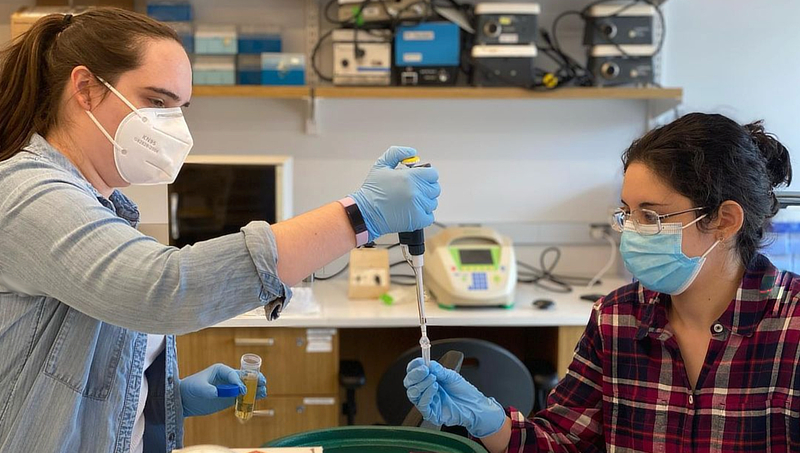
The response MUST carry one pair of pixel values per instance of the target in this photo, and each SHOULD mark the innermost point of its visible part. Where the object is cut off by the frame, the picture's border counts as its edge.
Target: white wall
(499, 160)
(739, 58)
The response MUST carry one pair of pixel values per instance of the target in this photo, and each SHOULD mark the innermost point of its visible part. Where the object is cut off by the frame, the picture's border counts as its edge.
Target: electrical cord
(347, 266)
(393, 277)
(545, 278)
(611, 260)
(569, 70)
(314, 57)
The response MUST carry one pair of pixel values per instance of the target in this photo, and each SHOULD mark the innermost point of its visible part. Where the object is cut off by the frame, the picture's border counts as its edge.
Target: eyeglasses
(645, 221)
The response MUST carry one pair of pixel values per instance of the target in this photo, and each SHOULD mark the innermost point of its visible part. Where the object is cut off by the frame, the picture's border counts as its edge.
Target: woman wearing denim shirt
(88, 305)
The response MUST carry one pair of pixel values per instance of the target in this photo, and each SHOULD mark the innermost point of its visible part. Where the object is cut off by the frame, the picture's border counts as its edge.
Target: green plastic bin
(380, 439)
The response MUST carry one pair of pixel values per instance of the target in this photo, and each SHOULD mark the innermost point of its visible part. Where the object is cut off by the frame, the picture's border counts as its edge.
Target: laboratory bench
(301, 351)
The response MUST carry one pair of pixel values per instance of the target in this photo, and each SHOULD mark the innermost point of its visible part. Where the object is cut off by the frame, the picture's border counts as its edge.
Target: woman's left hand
(199, 391)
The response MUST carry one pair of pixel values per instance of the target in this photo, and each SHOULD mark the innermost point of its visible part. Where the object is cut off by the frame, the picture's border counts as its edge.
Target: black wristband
(356, 220)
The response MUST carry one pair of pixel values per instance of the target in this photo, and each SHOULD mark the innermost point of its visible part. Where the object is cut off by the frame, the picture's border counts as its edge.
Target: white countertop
(337, 311)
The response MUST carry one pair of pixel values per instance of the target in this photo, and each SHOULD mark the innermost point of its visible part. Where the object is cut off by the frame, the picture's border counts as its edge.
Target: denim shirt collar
(121, 205)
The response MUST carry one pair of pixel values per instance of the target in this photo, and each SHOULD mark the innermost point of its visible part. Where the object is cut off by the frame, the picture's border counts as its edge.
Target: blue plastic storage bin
(170, 11)
(216, 40)
(258, 40)
(214, 70)
(283, 69)
(248, 69)
(185, 31)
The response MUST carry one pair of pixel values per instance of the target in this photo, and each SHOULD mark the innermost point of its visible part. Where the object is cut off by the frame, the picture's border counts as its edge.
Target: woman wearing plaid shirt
(701, 353)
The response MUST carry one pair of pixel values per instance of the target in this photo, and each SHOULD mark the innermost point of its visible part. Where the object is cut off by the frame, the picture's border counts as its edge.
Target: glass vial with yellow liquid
(250, 366)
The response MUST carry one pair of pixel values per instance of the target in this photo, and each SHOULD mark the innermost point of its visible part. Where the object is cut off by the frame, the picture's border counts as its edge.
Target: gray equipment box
(363, 61)
(610, 66)
(625, 23)
(375, 11)
(507, 65)
(506, 23)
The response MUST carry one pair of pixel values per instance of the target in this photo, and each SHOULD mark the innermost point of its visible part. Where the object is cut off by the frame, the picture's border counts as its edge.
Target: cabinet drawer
(290, 366)
(277, 417)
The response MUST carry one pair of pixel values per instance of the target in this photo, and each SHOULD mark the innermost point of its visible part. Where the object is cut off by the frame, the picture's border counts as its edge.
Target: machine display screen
(476, 256)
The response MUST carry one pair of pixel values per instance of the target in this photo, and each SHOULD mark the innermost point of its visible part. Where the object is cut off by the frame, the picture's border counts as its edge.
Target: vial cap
(227, 390)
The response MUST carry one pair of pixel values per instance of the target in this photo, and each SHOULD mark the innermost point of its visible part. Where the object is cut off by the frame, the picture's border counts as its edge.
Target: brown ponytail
(35, 68)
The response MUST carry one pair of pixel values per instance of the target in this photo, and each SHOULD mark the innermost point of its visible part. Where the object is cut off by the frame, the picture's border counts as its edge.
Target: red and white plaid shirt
(627, 389)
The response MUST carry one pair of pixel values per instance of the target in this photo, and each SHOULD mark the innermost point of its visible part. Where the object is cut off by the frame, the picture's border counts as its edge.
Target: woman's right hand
(397, 200)
(444, 397)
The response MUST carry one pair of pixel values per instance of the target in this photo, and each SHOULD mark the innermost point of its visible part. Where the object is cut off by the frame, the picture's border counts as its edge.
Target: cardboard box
(127, 4)
(24, 18)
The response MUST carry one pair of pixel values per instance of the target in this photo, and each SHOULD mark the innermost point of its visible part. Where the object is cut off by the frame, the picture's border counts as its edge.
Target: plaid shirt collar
(743, 314)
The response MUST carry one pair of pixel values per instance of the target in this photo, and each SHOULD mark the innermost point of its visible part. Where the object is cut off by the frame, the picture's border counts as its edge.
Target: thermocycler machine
(471, 266)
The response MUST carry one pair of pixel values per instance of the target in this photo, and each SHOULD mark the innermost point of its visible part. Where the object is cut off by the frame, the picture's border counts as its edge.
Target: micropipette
(413, 251)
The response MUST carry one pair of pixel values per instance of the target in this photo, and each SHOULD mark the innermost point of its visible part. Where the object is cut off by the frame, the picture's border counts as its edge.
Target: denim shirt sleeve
(59, 241)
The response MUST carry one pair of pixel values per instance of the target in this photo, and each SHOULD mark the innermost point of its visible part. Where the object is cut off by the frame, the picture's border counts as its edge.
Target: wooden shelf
(255, 91)
(497, 93)
(329, 92)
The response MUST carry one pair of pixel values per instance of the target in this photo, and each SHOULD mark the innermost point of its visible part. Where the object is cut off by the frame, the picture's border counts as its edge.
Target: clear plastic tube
(250, 366)
(424, 342)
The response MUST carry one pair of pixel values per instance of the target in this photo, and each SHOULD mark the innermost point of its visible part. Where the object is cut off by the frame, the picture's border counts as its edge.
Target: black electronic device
(619, 23)
(511, 65)
(506, 23)
(622, 65)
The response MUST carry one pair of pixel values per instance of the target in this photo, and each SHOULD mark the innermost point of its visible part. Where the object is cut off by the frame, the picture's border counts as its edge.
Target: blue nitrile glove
(397, 200)
(199, 394)
(445, 398)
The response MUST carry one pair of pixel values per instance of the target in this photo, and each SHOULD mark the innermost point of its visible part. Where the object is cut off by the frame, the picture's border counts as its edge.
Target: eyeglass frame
(615, 224)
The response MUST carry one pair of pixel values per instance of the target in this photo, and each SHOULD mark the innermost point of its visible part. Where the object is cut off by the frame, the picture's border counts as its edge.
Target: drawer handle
(264, 413)
(254, 341)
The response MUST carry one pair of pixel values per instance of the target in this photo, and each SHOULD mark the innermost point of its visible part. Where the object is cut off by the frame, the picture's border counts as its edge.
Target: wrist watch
(356, 220)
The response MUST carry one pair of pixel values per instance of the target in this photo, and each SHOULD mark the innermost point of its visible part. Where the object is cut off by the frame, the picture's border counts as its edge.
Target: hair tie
(67, 20)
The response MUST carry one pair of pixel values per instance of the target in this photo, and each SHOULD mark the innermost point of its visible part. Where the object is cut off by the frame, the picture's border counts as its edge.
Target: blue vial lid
(227, 390)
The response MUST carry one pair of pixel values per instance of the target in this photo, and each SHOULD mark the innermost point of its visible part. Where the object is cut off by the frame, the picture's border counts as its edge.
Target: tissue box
(25, 17)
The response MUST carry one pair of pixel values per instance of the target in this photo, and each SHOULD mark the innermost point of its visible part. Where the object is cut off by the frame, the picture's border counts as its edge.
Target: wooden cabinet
(277, 416)
(301, 367)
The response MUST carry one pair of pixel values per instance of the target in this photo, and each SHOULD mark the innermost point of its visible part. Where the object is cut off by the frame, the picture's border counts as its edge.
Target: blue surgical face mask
(658, 261)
